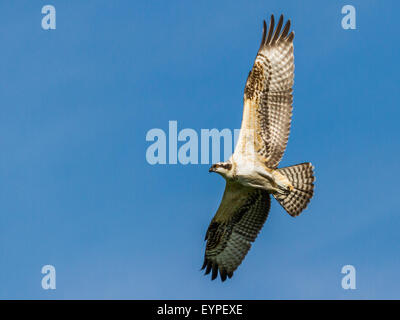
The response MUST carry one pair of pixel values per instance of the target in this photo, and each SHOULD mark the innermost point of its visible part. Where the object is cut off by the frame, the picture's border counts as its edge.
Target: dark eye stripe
(227, 166)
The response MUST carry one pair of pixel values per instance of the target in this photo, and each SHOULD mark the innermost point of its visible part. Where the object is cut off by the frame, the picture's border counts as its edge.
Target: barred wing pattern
(268, 95)
(235, 226)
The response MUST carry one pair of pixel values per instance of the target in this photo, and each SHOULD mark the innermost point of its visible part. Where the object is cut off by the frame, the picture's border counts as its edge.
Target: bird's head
(223, 168)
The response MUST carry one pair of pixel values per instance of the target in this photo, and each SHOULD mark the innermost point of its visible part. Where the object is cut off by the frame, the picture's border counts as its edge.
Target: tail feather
(301, 176)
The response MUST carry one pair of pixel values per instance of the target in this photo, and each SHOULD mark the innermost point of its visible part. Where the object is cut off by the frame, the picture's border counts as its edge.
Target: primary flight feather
(251, 173)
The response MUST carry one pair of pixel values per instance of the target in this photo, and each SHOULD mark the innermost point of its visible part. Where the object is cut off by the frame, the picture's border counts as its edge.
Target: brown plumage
(269, 91)
(229, 237)
(251, 173)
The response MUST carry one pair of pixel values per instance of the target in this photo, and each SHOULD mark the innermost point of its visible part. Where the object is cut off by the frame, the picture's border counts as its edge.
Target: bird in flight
(252, 173)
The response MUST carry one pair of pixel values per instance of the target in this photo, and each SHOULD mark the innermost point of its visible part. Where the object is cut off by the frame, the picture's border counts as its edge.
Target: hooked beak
(212, 169)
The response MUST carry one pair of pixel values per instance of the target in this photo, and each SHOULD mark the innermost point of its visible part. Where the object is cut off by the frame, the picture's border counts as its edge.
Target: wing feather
(268, 96)
(271, 29)
(277, 30)
(235, 226)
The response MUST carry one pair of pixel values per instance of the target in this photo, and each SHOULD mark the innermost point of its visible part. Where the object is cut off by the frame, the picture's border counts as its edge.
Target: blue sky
(76, 191)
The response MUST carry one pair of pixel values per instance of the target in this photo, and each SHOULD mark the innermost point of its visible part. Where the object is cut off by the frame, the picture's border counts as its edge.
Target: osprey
(251, 173)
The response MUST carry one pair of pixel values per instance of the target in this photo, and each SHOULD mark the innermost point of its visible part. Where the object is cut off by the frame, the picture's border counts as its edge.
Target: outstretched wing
(268, 97)
(235, 226)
